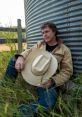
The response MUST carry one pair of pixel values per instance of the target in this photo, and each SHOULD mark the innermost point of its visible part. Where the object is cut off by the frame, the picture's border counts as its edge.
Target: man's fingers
(17, 67)
(22, 65)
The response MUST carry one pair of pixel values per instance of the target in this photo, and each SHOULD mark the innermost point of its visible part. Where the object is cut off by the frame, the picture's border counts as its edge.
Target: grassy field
(69, 103)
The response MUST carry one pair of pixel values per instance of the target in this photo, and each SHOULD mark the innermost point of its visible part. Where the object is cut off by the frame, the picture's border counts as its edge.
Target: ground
(7, 47)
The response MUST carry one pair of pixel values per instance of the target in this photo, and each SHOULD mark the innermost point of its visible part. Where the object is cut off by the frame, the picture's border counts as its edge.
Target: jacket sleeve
(66, 69)
(27, 51)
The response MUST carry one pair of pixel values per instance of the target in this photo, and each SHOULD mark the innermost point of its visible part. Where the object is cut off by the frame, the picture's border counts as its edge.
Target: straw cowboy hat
(39, 67)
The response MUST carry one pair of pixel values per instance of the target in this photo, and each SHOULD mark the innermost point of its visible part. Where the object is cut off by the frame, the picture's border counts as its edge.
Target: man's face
(48, 34)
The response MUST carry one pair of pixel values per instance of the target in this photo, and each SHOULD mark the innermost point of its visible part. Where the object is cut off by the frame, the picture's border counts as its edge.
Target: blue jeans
(46, 97)
(11, 72)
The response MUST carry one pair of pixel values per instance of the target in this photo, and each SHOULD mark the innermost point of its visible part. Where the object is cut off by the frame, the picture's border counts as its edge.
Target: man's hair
(51, 25)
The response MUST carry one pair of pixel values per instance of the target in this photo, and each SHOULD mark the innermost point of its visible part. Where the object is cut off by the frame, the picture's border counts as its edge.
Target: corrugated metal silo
(66, 14)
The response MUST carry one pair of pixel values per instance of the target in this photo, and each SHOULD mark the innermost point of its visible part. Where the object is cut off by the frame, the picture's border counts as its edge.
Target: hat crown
(41, 64)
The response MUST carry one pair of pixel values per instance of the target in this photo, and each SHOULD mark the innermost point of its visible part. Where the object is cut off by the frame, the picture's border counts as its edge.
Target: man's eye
(46, 31)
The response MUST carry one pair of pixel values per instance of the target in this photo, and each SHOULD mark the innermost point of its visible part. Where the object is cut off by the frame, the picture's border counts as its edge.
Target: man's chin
(47, 41)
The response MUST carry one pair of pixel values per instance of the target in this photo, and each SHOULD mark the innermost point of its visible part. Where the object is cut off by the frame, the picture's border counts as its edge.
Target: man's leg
(46, 100)
(11, 72)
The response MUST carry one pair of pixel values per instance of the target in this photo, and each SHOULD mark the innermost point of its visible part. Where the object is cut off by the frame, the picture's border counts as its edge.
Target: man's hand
(46, 84)
(20, 63)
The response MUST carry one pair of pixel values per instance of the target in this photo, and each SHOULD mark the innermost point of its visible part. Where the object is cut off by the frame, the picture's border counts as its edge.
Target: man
(52, 44)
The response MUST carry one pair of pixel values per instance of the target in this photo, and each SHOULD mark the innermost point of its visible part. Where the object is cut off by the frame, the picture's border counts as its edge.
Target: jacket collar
(57, 50)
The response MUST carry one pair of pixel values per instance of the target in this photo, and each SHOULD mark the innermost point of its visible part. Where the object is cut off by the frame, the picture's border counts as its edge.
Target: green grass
(69, 104)
(4, 58)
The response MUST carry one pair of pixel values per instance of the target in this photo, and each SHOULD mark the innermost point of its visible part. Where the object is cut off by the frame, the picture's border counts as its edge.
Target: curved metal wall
(66, 14)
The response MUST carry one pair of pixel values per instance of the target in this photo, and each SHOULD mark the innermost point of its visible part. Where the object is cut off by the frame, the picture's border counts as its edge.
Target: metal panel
(66, 14)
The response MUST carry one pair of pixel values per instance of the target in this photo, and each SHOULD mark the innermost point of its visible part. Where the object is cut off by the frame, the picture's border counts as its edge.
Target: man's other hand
(20, 63)
(47, 84)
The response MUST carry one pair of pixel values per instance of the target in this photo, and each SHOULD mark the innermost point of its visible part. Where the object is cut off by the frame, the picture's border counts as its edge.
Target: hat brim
(32, 79)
